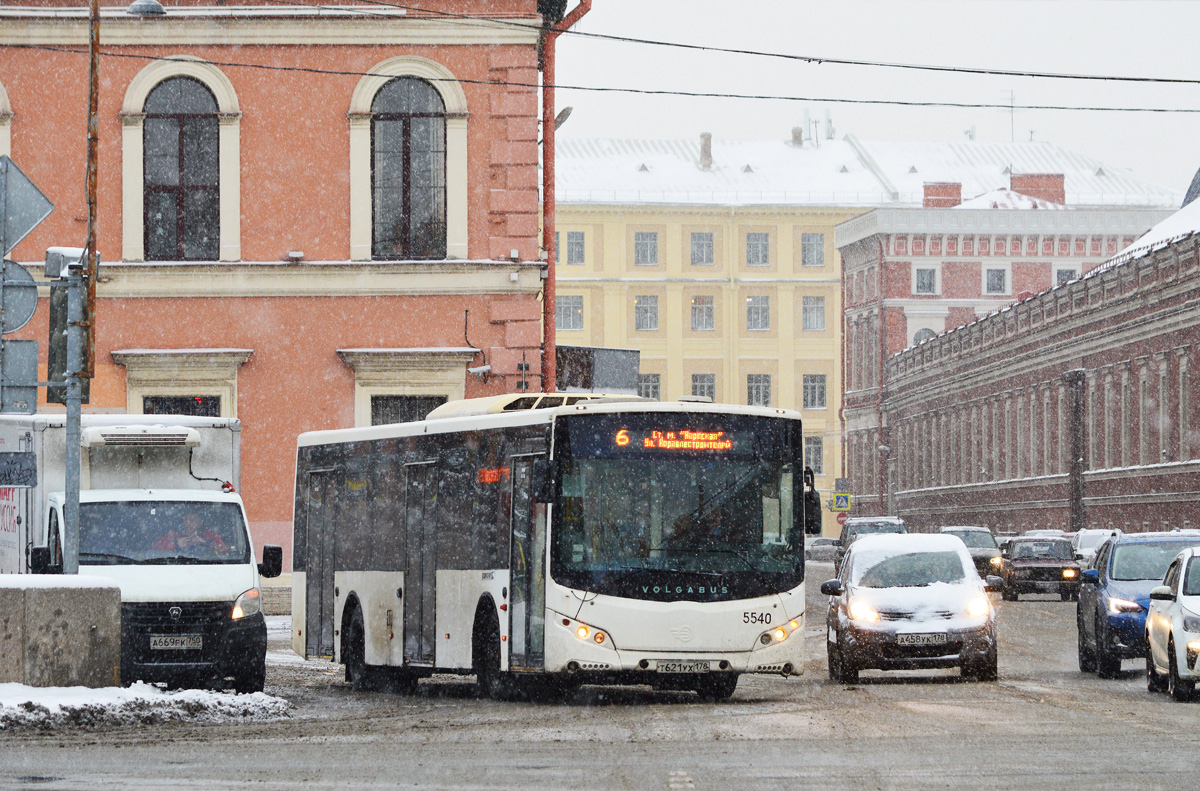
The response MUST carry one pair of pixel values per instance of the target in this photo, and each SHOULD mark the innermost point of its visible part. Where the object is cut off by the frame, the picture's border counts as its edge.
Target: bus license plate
(921, 639)
(176, 642)
(683, 666)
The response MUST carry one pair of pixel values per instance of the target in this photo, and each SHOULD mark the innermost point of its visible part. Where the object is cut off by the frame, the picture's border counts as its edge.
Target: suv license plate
(682, 666)
(176, 642)
(921, 639)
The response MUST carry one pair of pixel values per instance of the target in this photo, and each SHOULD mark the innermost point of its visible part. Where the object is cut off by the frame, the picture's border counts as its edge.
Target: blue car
(1115, 593)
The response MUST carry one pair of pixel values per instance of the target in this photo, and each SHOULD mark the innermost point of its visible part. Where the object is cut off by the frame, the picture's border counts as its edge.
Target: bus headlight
(249, 603)
(585, 632)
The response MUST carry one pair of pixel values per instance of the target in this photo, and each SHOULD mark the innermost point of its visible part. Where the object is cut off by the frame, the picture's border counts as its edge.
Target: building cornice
(1098, 222)
(258, 25)
(322, 279)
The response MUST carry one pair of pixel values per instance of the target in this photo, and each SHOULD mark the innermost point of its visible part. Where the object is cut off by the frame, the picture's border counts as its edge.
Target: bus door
(527, 563)
(420, 564)
(320, 537)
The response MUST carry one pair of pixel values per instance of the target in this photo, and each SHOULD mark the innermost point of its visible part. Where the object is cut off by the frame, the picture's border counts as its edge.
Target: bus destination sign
(676, 440)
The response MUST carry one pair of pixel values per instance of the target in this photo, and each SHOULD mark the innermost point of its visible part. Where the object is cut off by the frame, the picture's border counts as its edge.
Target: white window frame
(6, 116)
(712, 248)
(650, 386)
(806, 310)
(758, 313)
(643, 246)
(402, 371)
(645, 312)
(698, 310)
(560, 305)
(706, 383)
(817, 384)
(761, 248)
(133, 117)
(814, 448)
(755, 384)
(983, 278)
(809, 242)
(575, 241)
(937, 280)
(455, 100)
(181, 372)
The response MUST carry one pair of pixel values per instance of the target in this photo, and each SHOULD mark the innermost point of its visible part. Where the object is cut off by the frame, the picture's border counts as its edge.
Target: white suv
(1173, 628)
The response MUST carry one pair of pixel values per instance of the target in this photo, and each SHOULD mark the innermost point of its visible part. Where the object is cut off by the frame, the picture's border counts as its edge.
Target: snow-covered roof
(846, 172)
(1178, 226)
(1007, 199)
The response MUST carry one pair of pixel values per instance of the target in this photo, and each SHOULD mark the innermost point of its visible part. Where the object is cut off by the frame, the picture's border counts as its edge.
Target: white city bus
(583, 541)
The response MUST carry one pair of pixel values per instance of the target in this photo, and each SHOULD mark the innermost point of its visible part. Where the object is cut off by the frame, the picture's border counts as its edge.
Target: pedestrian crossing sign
(841, 502)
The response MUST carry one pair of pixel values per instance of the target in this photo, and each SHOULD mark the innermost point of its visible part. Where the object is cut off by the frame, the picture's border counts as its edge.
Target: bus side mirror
(39, 562)
(812, 512)
(810, 478)
(543, 481)
(272, 562)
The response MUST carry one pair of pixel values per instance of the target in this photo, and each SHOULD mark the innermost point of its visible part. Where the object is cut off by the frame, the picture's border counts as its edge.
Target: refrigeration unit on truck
(159, 515)
(530, 540)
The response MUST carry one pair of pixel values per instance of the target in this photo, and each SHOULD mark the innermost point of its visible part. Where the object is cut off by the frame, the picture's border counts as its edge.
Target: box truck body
(160, 516)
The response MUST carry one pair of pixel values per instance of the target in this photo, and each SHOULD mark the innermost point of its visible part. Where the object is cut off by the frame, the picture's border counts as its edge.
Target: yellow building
(732, 293)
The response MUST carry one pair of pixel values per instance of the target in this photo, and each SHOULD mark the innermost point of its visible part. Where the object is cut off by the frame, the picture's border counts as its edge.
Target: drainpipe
(549, 36)
(879, 384)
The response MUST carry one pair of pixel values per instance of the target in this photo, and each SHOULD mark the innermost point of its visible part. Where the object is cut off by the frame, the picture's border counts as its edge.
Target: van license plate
(682, 666)
(921, 639)
(176, 642)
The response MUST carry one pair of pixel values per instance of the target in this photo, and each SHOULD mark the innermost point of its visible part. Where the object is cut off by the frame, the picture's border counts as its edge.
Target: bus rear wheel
(354, 649)
(485, 654)
(716, 686)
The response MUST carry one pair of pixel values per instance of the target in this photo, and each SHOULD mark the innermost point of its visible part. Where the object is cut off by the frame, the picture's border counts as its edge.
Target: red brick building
(308, 218)
(910, 275)
(980, 420)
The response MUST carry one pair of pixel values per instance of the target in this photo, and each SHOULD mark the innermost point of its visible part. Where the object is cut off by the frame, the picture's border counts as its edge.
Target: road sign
(842, 517)
(841, 502)
(18, 297)
(18, 377)
(22, 205)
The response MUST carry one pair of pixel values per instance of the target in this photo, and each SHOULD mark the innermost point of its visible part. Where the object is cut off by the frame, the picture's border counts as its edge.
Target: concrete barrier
(59, 630)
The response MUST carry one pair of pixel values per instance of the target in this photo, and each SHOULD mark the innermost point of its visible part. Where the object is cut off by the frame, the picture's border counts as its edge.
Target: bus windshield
(157, 532)
(671, 506)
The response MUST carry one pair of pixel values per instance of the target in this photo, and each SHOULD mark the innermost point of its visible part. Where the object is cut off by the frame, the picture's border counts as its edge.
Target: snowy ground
(48, 708)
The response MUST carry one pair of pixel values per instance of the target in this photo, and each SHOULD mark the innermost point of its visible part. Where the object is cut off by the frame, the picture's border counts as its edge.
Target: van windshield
(158, 532)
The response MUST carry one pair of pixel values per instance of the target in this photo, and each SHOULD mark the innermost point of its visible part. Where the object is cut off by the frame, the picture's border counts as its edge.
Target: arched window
(922, 336)
(408, 170)
(181, 183)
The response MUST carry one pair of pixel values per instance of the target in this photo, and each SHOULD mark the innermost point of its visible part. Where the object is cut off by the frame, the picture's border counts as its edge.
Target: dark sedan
(985, 552)
(1039, 565)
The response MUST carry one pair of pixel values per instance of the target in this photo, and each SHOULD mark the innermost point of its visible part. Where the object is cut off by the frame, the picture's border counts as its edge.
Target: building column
(1185, 449)
(1162, 440)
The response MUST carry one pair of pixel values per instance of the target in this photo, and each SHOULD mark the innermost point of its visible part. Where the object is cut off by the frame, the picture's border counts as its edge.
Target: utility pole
(81, 331)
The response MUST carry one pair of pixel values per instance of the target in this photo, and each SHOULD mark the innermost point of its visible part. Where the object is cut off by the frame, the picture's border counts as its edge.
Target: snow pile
(47, 708)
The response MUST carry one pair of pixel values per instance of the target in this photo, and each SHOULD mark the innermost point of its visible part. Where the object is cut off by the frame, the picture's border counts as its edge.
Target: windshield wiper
(181, 559)
(107, 556)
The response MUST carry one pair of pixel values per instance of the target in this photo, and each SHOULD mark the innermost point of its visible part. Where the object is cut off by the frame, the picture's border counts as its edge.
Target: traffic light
(58, 259)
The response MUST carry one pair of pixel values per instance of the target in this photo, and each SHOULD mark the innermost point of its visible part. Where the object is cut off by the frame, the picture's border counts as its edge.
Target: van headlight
(249, 603)
(978, 607)
(862, 611)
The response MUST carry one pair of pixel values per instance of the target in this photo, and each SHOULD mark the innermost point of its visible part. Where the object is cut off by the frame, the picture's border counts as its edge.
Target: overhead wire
(813, 59)
(635, 91)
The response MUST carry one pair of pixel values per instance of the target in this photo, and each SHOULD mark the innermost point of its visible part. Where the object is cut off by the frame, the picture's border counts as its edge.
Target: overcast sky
(1130, 38)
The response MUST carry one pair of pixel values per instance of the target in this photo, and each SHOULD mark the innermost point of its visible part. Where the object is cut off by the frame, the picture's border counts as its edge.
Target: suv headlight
(978, 607)
(249, 603)
(1117, 606)
(1191, 622)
